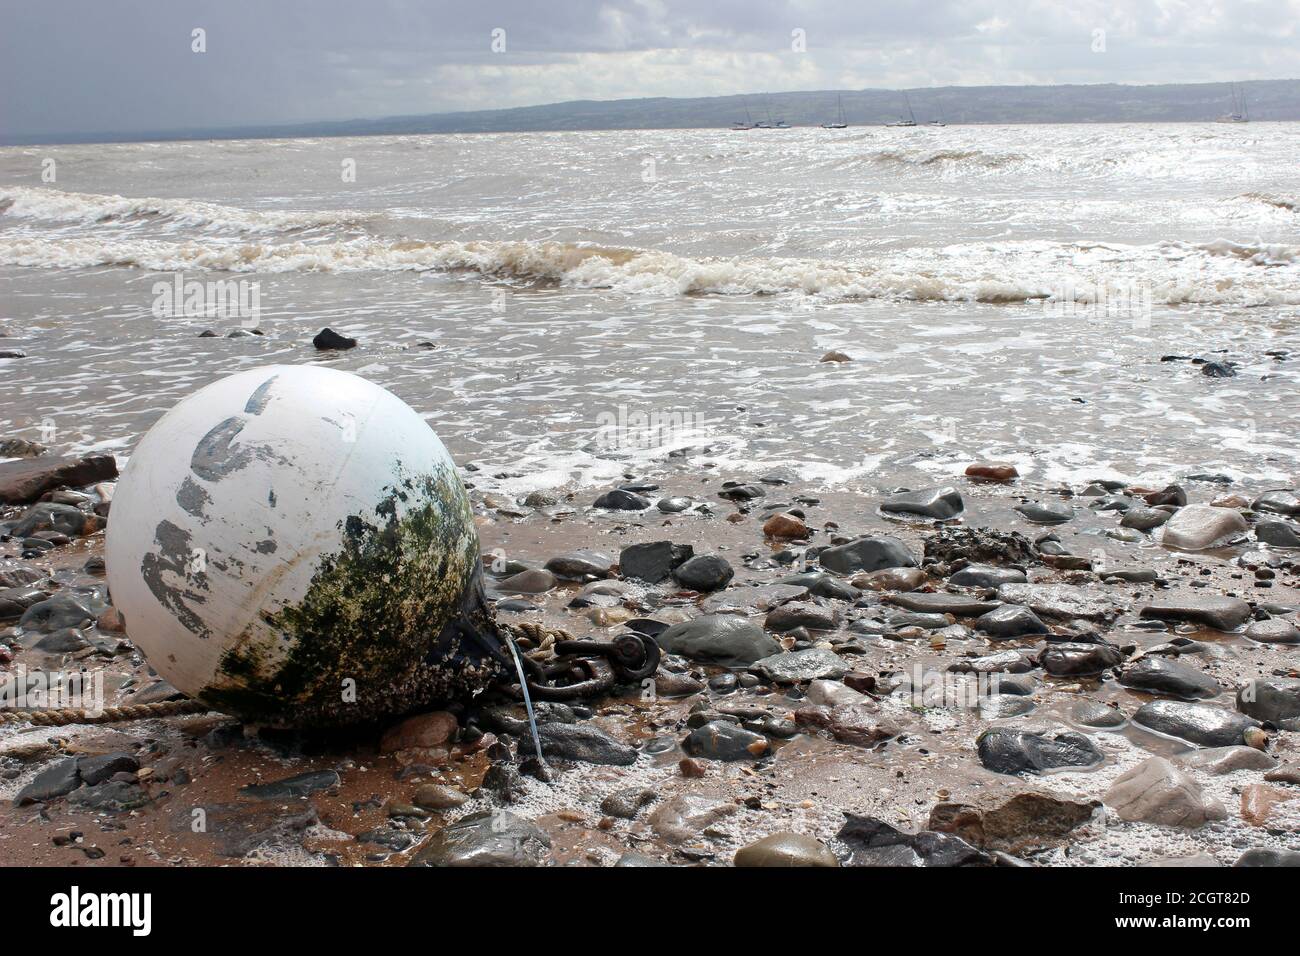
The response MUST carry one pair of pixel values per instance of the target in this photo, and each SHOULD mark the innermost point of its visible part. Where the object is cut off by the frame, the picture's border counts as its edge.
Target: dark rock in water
(56, 780)
(942, 602)
(25, 480)
(867, 554)
(1069, 659)
(736, 491)
(822, 585)
(1049, 513)
(1279, 534)
(1275, 699)
(488, 838)
(1212, 610)
(1204, 724)
(674, 505)
(390, 838)
(786, 849)
(811, 615)
(63, 610)
(112, 796)
(19, 575)
(1009, 621)
(1269, 857)
(792, 667)
(299, 785)
(1021, 751)
(1218, 369)
(59, 518)
(98, 768)
(240, 828)
(1092, 713)
(938, 503)
(1003, 706)
(583, 744)
(704, 573)
(1170, 495)
(986, 576)
(620, 500)
(1275, 630)
(1281, 501)
(626, 804)
(982, 545)
(1159, 676)
(873, 842)
(725, 639)
(528, 581)
(327, 339)
(1144, 519)
(722, 740)
(576, 565)
(1021, 684)
(15, 601)
(1027, 821)
(653, 561)
(20, 448)
(504, 782)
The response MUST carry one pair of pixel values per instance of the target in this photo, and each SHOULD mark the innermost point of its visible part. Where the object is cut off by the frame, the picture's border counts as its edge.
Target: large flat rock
(1212, 610)
(25, 480)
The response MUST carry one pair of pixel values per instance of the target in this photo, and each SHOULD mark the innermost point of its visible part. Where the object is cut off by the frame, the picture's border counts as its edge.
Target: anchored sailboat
(839, 123)
(911, 117)
(1240, 112)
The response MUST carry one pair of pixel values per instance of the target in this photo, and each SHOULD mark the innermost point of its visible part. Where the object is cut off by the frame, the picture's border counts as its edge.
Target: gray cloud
(78, 66)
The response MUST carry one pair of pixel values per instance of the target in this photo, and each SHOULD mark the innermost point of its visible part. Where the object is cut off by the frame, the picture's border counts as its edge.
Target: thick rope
(109, 715)
(539, 634)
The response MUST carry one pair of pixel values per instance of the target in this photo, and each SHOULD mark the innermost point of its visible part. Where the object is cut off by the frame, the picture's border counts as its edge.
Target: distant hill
(1102, 103)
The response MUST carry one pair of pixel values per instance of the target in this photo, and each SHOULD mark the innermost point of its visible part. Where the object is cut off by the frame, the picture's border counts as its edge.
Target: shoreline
(804, 781)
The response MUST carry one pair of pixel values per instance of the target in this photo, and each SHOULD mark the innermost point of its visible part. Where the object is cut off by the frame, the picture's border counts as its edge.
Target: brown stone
(1027, 821)
(836, 357)
(24, 481)
(1257, 801)
(992, 471)
(691, 768)
(857, 724)
(111, 621)
(890, 579)
(785, 526)
(423, 731)
(1287, 773)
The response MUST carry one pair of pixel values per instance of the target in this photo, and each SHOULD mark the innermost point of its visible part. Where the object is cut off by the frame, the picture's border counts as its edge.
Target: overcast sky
(83, 66)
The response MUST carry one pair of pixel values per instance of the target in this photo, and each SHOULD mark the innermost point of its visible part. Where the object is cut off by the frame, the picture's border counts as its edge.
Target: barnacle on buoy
(292, 546)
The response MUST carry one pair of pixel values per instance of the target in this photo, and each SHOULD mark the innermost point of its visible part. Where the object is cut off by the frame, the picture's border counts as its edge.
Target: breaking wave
(1288, 203)
(1177, 273)
(935, 158)
(56, 205)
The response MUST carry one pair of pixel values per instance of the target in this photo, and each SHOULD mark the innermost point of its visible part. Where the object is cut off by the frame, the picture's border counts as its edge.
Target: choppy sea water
(568, 307)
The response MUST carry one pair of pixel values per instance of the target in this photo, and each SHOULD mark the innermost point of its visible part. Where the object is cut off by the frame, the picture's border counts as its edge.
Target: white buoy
(292, 545)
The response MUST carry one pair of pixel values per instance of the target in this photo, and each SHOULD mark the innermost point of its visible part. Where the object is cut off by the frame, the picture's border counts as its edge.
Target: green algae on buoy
(292, 545)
